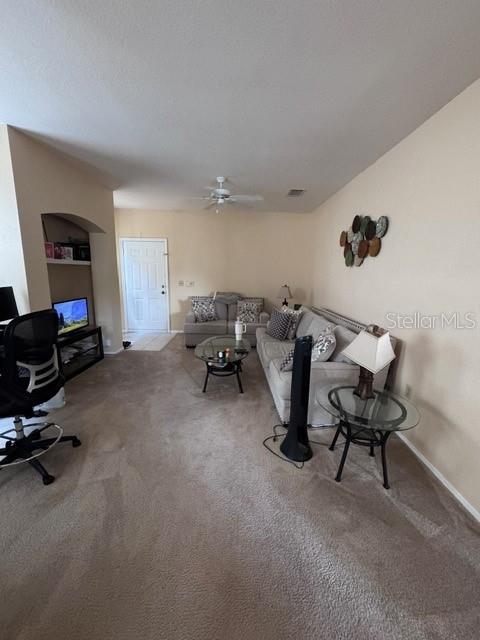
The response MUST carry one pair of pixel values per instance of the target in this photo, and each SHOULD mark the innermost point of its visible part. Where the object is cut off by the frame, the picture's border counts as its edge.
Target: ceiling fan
(220, 196)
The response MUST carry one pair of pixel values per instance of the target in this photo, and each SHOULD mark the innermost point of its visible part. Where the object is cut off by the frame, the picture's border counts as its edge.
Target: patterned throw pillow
(324, 345)
(287, 363)
(248, 310)
(204, 309)
(295, 315)
(278, 325)
(322, 349)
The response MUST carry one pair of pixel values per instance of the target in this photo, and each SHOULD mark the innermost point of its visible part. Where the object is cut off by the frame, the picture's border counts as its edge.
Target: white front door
(145, 284)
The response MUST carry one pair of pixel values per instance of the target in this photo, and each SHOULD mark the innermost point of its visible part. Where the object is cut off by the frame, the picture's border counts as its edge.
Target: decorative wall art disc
(375, 246)
(349, 259)
(382, 226)
(363, 224)
(370, 230)
(363, 249)
(363, 239)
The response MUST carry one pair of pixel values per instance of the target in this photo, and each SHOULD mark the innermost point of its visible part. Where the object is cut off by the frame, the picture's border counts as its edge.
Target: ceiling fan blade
(236, 198)
(209, 206)
(198, 198)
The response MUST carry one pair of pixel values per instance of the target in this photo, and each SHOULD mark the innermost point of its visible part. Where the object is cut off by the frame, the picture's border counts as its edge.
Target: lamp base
(364, 388)
(285, 303)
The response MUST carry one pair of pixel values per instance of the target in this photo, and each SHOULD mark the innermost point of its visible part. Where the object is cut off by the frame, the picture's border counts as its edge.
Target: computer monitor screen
(72, 314)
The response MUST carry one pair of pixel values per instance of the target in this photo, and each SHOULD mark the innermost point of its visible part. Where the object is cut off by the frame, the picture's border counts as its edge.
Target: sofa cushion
(344, 337)
(278, 325)
(263, 337)
(276, 349)
(281, 380)
(225, 301)
(305, 321)
(214, 327)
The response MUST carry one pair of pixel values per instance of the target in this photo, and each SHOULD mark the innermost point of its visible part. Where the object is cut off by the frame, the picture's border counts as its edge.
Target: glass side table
(368, 423)
(229, 364)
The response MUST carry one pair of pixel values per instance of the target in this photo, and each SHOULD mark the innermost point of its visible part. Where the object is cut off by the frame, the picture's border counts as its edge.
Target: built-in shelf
(82, 263)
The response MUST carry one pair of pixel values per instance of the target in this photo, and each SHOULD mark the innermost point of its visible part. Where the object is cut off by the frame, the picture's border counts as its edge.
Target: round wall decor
(356, 224)
(375, 246)
(363, 239)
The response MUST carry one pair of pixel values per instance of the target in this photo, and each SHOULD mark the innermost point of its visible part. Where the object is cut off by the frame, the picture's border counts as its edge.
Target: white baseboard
(448, 485)
(177, 331)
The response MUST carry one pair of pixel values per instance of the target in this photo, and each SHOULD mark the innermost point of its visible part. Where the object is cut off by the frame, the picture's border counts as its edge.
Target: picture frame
(49, 250)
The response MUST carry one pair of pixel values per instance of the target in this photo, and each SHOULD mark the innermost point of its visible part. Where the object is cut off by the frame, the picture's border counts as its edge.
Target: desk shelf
(79, 350)
(80, 263)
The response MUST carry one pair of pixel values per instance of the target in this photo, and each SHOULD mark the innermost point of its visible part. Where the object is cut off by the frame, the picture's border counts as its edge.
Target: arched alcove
(72, 277)
(80, 221)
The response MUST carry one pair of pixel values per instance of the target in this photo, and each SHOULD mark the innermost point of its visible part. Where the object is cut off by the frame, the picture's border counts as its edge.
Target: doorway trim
(121, 242)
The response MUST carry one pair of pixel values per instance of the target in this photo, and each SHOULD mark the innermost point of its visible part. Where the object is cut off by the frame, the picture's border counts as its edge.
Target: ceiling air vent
(295, 193)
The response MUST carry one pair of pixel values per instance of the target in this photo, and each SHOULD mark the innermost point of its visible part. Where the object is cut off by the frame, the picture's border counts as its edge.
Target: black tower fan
(296, 445)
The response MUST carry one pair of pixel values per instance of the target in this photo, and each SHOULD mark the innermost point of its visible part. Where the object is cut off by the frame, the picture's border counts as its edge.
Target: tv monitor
(72, 314)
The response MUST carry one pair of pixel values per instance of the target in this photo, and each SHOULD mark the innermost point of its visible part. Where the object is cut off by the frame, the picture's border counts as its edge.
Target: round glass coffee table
(223, 356)
(368, 423)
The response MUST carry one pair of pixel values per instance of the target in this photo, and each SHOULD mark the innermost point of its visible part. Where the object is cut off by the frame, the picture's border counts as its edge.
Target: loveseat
(338, 369)
(226, 312)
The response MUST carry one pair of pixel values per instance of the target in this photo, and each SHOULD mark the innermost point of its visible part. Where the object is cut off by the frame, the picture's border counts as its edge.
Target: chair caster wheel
(76, 442)
(48, 479)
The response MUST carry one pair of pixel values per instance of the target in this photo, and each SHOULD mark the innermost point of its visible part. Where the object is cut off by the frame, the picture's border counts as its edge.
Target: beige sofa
(226, 309)
(336, 370)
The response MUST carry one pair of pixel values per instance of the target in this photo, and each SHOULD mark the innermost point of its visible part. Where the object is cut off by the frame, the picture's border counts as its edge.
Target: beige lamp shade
(370, 351)
(284, 292)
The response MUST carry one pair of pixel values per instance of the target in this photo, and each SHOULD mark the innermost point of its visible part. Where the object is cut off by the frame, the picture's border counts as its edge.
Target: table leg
(237, 371)
(372, 451)
(338, 477)
(335, 438)
(384, 460)
(206, 380)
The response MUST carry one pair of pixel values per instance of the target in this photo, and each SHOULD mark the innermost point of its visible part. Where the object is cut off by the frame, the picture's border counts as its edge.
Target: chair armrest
(264, 317)
(190, 317)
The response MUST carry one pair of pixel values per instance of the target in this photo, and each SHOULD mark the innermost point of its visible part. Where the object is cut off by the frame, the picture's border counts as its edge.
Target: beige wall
(12, 265)
(429, 187)
(249, 252)
(47, 182)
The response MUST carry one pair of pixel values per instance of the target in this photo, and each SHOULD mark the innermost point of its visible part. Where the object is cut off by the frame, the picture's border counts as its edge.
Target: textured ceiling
(164, 96)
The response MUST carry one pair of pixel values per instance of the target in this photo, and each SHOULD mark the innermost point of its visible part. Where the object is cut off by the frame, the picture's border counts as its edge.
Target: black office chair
(29, 376)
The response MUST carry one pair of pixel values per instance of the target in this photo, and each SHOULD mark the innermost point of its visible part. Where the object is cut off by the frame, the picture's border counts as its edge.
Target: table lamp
(373, 351)
(284, 292)
(8, 306)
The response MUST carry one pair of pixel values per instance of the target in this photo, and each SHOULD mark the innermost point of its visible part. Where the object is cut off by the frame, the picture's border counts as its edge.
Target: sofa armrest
(264, 317)
(190, 317)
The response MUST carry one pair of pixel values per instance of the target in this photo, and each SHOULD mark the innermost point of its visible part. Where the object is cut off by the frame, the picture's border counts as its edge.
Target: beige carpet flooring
(172, 522)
